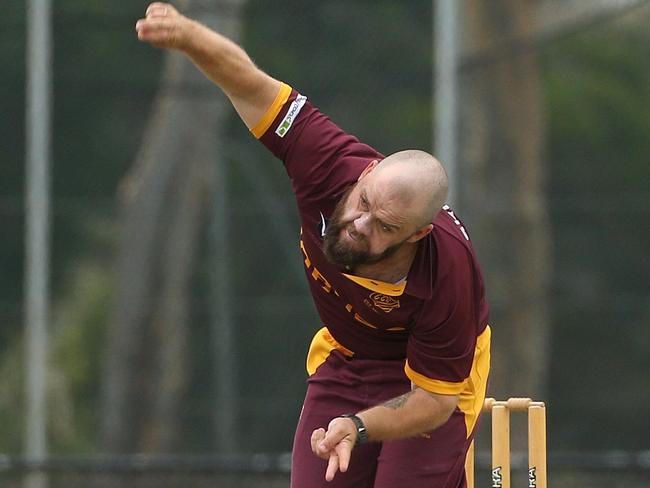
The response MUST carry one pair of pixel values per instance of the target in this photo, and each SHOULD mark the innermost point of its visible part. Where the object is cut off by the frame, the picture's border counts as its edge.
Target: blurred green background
(369, 66)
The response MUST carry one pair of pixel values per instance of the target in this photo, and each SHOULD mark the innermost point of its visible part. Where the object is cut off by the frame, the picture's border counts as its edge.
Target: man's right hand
(335, 445)
(163, 26)
(250, 90)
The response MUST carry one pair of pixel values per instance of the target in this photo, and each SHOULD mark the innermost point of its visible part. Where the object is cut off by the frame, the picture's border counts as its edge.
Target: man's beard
(341, 253)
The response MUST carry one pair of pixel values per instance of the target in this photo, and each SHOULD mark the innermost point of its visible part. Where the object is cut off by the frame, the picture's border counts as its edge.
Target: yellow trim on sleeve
(267, 119)
(320, 348)
(472, 398)
(472, 390)
(391, 289)
(434, 386)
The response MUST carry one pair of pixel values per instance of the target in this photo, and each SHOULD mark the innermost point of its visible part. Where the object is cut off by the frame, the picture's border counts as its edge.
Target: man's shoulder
(321, 159)
(456, 279)
(450, 232)
(456, 259)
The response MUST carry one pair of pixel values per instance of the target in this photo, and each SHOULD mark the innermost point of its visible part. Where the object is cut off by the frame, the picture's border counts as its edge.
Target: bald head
(389, 209)
(418, 179)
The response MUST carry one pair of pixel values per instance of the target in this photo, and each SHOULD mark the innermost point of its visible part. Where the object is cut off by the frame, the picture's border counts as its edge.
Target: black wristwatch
(362, 433)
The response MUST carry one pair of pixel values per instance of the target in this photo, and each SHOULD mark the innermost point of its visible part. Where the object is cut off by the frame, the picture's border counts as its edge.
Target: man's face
(368, 225)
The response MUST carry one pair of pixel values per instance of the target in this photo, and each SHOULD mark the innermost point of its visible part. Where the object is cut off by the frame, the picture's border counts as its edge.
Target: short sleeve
(320, 158)
(441, 347)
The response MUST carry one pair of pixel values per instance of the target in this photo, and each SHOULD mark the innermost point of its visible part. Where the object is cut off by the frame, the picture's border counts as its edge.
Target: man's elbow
(448, 404)
(441, 408)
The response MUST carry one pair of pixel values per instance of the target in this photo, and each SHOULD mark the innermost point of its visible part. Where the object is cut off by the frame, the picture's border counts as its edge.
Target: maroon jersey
(433, 318)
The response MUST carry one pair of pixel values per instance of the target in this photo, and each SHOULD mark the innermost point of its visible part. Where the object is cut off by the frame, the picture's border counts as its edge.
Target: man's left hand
(335, 445)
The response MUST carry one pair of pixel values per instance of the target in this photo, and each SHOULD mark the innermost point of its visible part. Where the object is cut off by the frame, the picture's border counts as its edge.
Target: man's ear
(373, 164)
(420, 233)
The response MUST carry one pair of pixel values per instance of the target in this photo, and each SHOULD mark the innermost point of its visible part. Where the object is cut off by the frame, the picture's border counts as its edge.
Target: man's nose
(362, 224)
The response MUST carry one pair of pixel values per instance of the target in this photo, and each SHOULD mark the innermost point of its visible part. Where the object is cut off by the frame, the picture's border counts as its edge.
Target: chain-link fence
(368, 64)
(598, 470)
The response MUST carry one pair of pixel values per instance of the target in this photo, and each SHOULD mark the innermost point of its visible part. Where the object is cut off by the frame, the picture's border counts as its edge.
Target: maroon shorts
(343, 385)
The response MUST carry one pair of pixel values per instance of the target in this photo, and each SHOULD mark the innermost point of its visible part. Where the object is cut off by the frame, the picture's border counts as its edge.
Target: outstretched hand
(163, 26)
(335, 445)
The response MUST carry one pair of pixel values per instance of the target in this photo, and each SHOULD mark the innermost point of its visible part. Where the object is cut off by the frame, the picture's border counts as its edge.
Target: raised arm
(250, 90)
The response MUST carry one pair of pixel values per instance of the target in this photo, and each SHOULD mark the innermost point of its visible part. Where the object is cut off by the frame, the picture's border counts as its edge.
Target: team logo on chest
(383, 302)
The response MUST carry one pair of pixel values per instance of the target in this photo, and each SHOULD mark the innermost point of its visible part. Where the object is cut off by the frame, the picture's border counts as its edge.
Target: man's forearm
(408, 415)
(414, 413)
(228, 65)
(250, 90)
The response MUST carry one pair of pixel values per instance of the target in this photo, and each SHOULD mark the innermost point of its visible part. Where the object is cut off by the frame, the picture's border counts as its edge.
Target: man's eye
(364, 202)
(385, 228)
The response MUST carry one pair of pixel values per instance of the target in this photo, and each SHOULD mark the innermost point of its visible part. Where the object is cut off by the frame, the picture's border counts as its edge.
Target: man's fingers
(334, 435)
(316, 438)
(161, 32)
(153, 30)
(335, 445)
(343, 451)
(153, 25)
(159, 13)
(332, 466)
(156, 13)
(162, 26)
(159, 8)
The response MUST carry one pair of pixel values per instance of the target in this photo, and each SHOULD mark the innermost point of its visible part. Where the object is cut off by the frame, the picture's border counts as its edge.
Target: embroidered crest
(383, 302)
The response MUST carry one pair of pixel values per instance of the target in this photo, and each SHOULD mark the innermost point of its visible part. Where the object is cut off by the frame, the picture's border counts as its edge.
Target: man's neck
(389, 270)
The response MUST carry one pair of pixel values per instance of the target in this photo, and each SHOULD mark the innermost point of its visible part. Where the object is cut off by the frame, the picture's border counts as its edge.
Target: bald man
(397, 373)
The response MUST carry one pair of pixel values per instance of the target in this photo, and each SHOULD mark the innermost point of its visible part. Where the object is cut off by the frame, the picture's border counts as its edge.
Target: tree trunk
(145, 368)
(501, 146)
